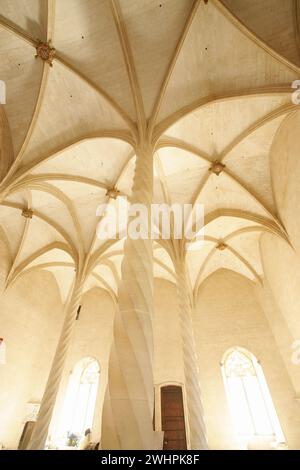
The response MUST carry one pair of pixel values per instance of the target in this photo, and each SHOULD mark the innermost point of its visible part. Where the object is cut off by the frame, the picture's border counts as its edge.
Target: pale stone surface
(92, 337)
(227, 314)
(31, 340)
(121, 84)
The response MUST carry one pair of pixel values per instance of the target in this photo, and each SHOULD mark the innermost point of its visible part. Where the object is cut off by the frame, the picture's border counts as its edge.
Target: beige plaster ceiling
(207, 81)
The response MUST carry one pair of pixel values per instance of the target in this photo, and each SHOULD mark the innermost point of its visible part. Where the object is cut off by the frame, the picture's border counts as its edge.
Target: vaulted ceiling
(209, 81)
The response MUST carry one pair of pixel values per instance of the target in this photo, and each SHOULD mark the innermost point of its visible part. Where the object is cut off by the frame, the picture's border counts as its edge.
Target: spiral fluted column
(131, 388)
(40, 431)
(198, 438)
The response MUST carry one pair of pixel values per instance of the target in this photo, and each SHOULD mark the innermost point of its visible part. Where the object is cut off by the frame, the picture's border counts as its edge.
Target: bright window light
(250, 402)
(80, 399)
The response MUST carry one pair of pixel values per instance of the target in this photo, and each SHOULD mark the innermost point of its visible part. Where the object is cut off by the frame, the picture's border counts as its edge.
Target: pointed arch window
(250, 402)
(80, 399)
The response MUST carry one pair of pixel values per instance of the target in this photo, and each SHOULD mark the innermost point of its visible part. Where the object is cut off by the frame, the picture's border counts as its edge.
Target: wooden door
(172, 418)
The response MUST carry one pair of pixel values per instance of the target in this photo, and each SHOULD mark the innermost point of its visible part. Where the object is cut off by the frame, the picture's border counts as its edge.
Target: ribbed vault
(204, 80)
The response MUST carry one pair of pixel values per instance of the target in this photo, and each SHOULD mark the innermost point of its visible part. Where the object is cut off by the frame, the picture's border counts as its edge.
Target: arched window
(250, 402)
(80, 400)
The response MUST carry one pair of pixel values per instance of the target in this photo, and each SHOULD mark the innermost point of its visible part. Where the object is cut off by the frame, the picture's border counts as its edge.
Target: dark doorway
(172, 418)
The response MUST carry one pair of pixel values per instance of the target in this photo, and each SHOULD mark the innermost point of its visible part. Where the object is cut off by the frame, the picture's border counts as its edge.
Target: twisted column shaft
(40, 431)
(198, 438)
(130, 388)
